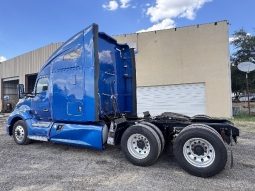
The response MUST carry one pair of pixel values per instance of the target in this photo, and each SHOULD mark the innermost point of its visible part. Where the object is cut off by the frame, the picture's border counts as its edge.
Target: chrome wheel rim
(19, 133)
(138, 146)
(199, 152)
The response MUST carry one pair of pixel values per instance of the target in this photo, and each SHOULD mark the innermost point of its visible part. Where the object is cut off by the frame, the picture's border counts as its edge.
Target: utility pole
(248, 93)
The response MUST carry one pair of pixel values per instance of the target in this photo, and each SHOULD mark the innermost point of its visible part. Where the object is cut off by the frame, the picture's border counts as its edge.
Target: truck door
(41, 108)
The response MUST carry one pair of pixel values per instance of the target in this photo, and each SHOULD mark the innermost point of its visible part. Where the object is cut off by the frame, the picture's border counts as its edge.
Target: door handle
(45, 110)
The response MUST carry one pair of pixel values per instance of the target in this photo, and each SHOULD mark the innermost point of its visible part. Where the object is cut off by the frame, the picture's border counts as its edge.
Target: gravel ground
(47, 166)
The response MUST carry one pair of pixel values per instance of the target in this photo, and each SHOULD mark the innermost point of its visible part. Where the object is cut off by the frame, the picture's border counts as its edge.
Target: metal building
(184, 70)
(21, 69)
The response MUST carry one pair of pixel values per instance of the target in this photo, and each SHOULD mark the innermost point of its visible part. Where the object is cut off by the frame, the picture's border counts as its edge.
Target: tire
(159, 133)
(141, 145)
(20, 133)
(197, 125)
(200, 151)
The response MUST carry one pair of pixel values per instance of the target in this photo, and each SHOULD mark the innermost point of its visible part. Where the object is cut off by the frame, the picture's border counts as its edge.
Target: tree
(244, 45)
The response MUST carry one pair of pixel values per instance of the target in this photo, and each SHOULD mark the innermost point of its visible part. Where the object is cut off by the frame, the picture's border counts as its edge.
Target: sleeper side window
(42, 85)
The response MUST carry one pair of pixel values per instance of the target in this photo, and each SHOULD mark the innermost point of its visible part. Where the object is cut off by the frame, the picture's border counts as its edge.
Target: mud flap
(231, 151)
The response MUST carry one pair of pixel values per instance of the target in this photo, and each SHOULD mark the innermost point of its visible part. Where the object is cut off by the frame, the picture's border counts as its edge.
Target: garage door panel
(188, 99)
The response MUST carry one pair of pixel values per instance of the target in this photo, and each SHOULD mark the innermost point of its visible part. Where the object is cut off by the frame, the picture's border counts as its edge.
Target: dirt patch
(47, 166)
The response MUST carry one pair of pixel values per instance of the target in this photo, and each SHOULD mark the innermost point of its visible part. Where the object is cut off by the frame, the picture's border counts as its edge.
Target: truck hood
(24, 101)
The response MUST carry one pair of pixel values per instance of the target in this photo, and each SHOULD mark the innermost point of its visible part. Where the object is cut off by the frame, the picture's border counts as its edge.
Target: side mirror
(21, 92)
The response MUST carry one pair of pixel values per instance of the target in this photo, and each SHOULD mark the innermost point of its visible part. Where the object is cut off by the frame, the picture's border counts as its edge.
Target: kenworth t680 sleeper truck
(85, 95)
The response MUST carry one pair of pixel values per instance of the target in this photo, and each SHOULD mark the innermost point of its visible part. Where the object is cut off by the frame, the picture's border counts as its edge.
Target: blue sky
(29, 24)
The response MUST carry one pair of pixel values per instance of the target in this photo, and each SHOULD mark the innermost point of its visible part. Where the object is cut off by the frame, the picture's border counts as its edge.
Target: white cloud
(2, 58)
(164, 24)
(174, 8)
(124, 3)
(111, 6)
(164, 12)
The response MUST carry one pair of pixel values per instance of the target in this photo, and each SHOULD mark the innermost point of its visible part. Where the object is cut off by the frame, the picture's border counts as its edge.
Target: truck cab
(90, 77)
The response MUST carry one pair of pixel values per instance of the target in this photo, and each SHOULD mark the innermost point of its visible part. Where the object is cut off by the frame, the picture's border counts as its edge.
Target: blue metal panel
(74, 88)
(40, 106)
(78, 134)
(38, 128)
(45, 71)
(66, 46)
(67, 80)
(117, 77)
(22, 110)
(107, 76)
(126, 81)
(91, 73)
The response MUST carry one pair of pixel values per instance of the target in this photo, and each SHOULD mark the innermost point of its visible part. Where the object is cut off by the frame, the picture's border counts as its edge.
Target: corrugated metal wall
(27, 63)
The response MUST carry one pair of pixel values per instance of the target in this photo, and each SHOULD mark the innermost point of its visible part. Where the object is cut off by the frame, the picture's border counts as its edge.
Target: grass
(244, 122)
(244, 117)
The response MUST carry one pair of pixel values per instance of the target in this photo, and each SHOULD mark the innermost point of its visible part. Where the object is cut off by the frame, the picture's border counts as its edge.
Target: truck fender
(22, 113)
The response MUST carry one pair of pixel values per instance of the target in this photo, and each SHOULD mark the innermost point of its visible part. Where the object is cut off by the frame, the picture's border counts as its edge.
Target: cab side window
(42, 85)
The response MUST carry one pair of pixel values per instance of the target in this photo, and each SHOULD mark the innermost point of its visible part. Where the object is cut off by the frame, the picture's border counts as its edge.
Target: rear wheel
(200, 151)
(141, 145)
(20, 133)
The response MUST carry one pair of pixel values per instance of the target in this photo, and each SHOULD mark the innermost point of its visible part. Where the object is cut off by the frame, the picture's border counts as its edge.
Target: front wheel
(200, 151)
(20, 133)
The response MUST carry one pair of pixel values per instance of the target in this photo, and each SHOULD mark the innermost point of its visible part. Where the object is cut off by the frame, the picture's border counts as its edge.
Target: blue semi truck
(85, 95)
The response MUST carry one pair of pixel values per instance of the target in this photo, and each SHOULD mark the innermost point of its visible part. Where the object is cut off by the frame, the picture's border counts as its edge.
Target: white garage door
(188, 99)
